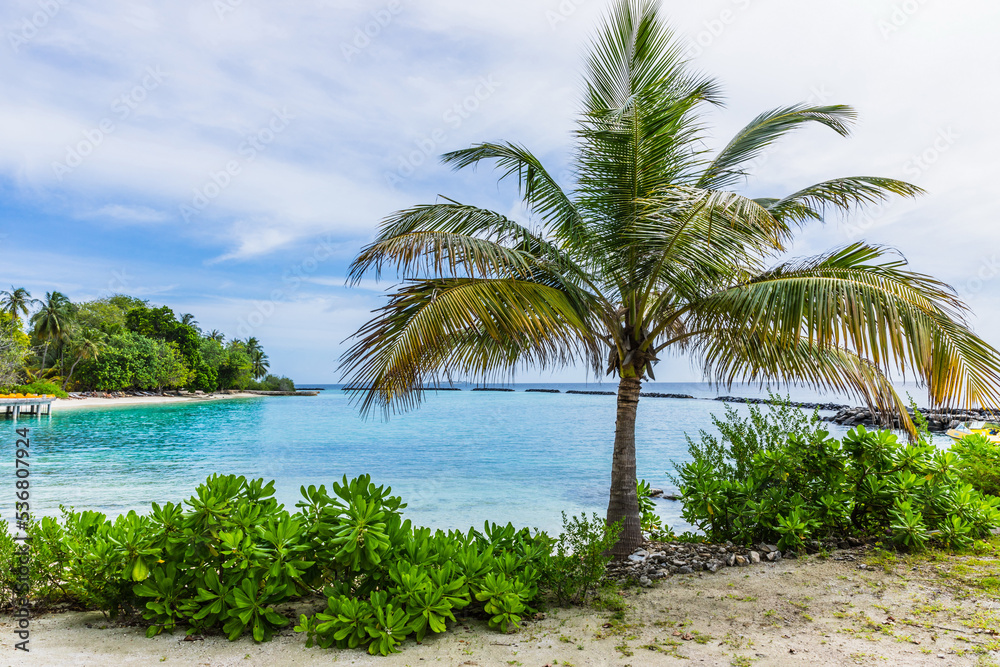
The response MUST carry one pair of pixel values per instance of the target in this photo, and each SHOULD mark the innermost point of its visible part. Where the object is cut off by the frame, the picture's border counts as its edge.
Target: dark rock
(543, 391)
(649, 394)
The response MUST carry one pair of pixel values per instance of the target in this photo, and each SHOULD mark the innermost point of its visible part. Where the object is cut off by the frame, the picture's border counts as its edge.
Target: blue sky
(229, 157)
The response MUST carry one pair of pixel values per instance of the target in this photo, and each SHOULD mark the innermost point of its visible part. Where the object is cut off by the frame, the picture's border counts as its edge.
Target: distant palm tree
(216, 335)
(188, 319)
(52, 321)
(259, 363)
(252, 345)
(17, 301)
(86, 344)
(654, 252)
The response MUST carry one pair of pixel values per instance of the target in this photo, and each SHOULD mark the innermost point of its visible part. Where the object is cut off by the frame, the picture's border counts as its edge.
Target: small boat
(990, 431)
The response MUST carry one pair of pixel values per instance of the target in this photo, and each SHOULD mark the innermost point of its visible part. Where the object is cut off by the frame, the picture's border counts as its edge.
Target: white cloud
(133, 214)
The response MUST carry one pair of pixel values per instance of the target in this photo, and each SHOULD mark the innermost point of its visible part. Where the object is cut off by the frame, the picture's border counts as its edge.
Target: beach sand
(803, 613)
(61, 404)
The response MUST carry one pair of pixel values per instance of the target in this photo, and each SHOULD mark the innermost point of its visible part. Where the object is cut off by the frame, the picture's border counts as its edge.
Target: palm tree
(86, 344)
(655, 251)
(259, 363)
(52, 320)
(216, 335)
(251, 345)
(188, 319)
(17, 302)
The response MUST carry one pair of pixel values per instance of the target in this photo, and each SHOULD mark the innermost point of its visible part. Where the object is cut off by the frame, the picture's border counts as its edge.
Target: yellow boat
(990, 431)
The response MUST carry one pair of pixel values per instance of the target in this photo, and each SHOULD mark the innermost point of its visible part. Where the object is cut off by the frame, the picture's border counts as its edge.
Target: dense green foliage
(13, 349)
(118, 343)
(223, 559)
(272, 383)
(756, 483)
(979, 463)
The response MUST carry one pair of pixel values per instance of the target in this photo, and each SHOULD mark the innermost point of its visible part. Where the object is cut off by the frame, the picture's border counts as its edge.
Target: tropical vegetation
(222, 560)
(778, 477)
(119, 343)
(654, 249)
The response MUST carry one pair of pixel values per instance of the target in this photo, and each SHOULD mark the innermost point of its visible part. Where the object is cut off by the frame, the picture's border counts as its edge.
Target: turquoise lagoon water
(463, 457)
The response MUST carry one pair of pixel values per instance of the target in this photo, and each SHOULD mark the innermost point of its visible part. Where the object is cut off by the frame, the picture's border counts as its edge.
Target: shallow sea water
(463, 457)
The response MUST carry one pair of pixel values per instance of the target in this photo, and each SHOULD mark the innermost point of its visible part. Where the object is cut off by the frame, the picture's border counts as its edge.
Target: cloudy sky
(229, 157)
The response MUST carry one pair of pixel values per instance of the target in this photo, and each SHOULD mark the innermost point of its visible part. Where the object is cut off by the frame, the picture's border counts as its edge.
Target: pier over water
(19, 407)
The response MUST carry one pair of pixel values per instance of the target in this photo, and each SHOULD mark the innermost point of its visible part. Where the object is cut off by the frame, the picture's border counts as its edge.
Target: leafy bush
(581, 556)
(223, 559)
(272, 383)
(40, 387)
(743, 437)
(979, 463)
(808, 485)
(650, 523)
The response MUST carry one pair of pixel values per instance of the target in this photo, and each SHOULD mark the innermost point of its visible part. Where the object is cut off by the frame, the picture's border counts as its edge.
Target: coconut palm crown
(653, 251)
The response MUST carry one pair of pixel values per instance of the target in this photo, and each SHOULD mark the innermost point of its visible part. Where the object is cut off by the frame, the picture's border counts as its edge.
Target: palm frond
(731, 356)
(841, 194)
(466, 326)
(725, 170)
(541, 193)
(457, 240)
(861, 300)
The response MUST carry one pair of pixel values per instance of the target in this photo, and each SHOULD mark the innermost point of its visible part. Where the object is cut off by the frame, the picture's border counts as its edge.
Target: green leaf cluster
(756, 485)
(223, 560)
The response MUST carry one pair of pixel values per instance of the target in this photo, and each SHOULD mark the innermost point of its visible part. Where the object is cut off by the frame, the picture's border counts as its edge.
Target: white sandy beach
(61, 404)
(803, 613)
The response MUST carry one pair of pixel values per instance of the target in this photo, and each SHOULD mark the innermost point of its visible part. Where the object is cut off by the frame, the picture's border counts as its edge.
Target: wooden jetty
(18, 407)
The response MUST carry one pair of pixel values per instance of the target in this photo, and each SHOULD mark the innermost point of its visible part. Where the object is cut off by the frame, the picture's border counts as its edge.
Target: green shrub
(979, 463)
(272, 383)
(581, 556)
(808, 485)
(223, 559)
(741, 438)
(40, 387)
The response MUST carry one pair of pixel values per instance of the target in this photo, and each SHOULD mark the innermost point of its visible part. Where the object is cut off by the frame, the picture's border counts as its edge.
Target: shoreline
(62, 404)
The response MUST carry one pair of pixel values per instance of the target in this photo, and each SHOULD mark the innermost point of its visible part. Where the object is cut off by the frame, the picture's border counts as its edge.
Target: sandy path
(61, 404)
(795, 613)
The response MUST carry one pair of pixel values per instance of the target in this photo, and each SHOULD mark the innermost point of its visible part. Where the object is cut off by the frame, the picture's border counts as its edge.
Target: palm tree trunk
(624, 503)
(71, 369)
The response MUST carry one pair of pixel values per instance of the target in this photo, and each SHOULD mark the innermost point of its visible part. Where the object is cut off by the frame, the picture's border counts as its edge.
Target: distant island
(120, 343)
